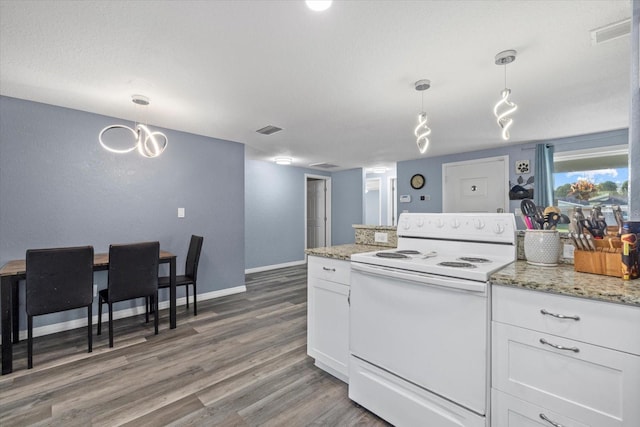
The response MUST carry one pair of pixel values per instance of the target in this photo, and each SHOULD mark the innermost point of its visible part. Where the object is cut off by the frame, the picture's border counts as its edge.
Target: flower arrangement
(582, 189)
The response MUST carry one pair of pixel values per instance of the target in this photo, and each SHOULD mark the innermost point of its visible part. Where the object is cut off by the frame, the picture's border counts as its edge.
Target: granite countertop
(565, 281)
(343, 252)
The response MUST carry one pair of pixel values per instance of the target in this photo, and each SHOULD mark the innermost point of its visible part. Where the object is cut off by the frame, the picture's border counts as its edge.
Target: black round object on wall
(417, 181)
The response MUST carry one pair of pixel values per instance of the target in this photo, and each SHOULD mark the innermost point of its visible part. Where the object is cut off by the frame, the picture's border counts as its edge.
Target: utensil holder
(542, 247)
(605, 260)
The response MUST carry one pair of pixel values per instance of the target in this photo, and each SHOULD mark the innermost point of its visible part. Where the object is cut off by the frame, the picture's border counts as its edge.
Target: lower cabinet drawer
(586, 383)
(333, 270)
(508, 411)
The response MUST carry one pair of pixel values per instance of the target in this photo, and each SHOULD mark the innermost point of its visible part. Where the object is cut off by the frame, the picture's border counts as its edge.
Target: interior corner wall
(347, 204)
(59, 187)
(275, 209)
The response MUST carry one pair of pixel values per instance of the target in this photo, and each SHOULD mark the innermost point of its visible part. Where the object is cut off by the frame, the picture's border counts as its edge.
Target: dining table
(14, 272)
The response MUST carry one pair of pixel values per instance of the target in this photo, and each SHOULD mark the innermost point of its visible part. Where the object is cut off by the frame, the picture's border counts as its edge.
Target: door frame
(327, 204)
(504, 159)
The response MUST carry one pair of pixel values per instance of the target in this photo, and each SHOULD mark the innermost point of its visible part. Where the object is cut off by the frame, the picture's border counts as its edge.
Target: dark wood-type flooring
(241, 362)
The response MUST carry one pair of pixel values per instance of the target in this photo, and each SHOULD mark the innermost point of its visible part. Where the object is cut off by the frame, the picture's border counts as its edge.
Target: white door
(316, 213)
(476, 185)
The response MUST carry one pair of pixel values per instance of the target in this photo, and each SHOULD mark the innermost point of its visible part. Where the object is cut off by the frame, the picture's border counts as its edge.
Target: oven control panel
(476, 226)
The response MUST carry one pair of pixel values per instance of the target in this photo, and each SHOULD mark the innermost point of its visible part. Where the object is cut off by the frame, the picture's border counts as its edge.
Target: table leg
(15, 312)
(6, 283)
(172, 293)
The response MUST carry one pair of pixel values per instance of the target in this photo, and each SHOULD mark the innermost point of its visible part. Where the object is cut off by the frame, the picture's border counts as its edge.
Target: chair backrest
(133, 270)
(193, 257)
(58, 279)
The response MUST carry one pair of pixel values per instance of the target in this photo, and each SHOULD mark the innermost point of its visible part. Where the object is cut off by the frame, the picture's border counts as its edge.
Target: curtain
(543, 194)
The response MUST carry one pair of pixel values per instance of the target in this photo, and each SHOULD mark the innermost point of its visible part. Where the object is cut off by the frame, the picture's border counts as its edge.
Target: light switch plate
(381, 237)
(180, 212)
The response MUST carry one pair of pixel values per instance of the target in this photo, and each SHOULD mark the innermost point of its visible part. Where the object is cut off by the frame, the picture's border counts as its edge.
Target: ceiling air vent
(268, 130)
(323, 165)
(611, 32)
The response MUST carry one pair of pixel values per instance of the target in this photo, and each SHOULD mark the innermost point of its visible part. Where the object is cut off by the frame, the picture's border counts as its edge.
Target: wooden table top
(17, 267)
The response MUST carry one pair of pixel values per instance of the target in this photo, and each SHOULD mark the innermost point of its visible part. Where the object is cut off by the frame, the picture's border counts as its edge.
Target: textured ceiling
(340, 83)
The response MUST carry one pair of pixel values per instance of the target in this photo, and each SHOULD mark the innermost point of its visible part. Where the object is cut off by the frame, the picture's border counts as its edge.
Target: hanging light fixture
(149, 144)
(504, 107)
(422, 131)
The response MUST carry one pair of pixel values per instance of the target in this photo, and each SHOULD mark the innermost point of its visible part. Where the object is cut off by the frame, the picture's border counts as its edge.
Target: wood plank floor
(241, 362)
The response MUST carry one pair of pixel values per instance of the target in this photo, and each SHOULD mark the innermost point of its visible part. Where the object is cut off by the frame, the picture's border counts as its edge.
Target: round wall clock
(417, 181)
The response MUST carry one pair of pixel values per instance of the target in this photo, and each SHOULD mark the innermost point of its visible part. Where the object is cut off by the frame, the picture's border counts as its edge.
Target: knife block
(606, 261)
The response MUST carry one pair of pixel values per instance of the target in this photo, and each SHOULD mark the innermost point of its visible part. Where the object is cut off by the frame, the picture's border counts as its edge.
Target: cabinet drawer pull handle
(560, 316)
(553, 423)
(559, 347)
(328, 269)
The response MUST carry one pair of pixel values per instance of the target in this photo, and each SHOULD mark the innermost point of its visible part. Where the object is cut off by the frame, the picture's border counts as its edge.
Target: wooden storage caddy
(606, 260)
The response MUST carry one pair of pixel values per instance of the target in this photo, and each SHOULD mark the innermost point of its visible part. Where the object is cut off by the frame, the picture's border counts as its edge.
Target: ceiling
(340, 83)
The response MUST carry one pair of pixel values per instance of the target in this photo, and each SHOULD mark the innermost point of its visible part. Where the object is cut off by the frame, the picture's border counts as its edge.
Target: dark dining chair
(133, 273)
(190, 276)
(58, 279)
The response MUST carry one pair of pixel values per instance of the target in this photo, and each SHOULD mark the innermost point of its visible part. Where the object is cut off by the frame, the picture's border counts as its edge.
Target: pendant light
(504, 107)
(422, 131)
(149, 144)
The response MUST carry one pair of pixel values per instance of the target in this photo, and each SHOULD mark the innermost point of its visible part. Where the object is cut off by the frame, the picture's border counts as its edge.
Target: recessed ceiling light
(283, 160)
(318, 5)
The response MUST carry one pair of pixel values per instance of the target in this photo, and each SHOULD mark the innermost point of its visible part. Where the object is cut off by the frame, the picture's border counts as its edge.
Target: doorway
(317, 211)
(476, 185)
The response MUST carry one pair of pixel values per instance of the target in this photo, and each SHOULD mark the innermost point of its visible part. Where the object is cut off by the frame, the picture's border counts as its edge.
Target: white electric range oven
(419, 319)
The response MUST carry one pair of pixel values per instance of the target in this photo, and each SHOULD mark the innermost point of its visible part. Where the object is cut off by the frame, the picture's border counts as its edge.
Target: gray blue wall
(347, 207)
(275, 207)
(59, 187)
(431, 167)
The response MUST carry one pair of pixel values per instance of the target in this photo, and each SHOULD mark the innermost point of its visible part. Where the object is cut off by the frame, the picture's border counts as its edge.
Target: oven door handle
(421, 278)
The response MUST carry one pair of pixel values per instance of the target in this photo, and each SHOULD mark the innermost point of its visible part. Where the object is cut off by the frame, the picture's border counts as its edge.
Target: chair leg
(100, 315)
(155, 312)
(186, 289)
(29, 342)
(195, 303)
(110, 324)
(146, 314)
(90, 326)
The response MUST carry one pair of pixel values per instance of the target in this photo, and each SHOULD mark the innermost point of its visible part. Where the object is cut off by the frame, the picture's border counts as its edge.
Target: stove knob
(439, 223)
(478, 224)
(455, 223)
(420, 222)
(498, 229)
(406, 225)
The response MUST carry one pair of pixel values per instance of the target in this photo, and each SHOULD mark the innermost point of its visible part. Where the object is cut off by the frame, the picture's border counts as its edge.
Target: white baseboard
(128, 312)
(274, 267)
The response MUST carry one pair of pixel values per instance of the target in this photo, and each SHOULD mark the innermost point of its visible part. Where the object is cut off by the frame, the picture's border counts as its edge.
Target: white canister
(542, 247)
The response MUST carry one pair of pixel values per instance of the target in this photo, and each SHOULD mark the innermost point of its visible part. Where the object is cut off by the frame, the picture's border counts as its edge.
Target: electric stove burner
(391, 255)
(456, 264)
(472, 259)
(408, 252)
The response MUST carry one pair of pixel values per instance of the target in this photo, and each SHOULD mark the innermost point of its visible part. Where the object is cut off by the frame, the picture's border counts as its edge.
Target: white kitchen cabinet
(563, 360)
(328, 314)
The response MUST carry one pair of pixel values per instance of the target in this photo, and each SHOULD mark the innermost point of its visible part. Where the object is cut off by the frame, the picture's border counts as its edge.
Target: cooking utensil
(530, 210)
(592, 245)
(617, 214)
(597, 229)
(572, 237)
(585, 243)
(551, 221)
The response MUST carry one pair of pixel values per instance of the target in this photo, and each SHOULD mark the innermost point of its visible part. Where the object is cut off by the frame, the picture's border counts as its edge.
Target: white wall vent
(323, 165)
(269, 129)
(611, 32)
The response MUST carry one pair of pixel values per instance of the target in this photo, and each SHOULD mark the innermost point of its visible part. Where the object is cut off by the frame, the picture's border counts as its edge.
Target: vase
(542, 247)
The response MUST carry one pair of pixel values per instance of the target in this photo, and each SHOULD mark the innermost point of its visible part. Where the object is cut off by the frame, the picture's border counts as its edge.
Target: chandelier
(149, 144)
(504, 107)
(422, 131)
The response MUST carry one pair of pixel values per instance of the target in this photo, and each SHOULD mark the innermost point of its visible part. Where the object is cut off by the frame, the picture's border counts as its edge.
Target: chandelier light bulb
(421, 132)
(502, 117)
(505, 107)
(149, 144)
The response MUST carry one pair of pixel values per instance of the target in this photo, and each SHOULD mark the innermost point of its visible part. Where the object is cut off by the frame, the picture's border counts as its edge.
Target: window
(592, 177)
